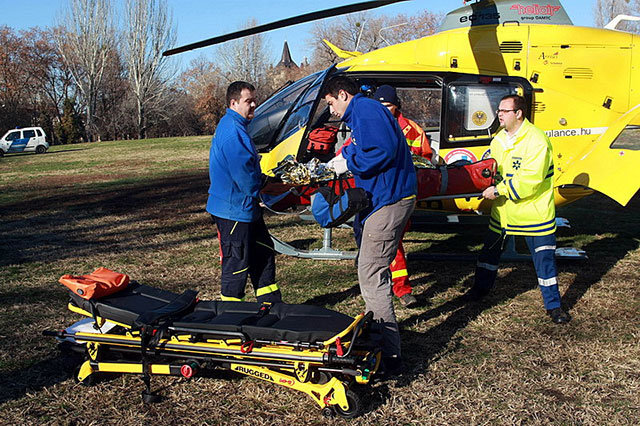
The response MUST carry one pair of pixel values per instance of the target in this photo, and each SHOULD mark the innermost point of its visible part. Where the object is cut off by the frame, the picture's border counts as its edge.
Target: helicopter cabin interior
(453, 109)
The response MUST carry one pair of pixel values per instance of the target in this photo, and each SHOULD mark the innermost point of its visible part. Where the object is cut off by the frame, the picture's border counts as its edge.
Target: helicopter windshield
(268, 117)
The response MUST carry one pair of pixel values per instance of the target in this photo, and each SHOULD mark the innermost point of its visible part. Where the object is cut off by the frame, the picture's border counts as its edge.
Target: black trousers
(246, 250)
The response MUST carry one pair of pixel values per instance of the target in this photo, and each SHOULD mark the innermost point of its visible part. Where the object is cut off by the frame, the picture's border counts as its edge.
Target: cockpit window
(629, 138)
(300, 116)
(269, 115)
(471, 115)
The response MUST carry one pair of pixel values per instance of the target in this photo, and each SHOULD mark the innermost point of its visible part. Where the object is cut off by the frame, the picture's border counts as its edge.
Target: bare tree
(605, 10)
(149, 32)
(363, 32)
(85, 47)
(54, 81)
(245, 58)
(204, 87)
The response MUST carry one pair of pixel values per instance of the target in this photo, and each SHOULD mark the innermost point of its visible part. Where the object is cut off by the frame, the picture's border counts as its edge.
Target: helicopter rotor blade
(307, 17)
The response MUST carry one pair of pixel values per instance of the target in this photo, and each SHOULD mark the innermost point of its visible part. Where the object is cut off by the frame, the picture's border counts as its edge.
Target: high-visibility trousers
(543, 253)
(246, 250)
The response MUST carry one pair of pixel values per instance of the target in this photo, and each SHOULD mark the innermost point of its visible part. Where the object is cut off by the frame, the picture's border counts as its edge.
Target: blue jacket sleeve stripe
(513, 189)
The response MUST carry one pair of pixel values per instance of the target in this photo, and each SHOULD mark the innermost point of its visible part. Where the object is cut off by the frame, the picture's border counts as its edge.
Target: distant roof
(286, 60)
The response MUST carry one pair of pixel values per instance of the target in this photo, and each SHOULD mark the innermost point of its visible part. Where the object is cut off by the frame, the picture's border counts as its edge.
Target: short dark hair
(340, 82)
(519, 103)
(234, 91)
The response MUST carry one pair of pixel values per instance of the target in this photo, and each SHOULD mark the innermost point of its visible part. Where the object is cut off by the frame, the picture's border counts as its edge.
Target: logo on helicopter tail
(535, 9)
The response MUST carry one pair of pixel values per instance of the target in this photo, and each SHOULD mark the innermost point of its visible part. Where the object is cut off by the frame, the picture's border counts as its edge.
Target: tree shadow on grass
(334, 298)
(103, 220)
(43, 374)
(422, 348)
(608, 251)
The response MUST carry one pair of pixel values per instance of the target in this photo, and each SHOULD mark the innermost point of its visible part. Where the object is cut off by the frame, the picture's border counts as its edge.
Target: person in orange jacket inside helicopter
(418, 142)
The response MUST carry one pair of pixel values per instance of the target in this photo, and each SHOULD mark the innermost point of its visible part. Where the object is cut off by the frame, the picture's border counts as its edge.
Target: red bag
(456, 180)
(101, 282)
(322, 140)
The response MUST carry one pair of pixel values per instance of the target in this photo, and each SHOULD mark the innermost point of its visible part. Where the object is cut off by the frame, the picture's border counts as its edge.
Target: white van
(28, 139)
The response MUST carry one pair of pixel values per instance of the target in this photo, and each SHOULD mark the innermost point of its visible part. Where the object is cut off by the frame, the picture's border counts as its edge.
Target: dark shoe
(475, 294)
(558, 316)
(408, 300)
(389, 367)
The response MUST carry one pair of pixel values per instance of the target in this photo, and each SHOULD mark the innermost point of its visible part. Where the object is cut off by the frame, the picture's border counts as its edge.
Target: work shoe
(389, 367)
(558, 316)
(408, 300)
(475, 294)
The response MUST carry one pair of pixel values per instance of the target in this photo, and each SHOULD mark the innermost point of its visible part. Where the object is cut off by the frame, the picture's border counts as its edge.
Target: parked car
(28, 139)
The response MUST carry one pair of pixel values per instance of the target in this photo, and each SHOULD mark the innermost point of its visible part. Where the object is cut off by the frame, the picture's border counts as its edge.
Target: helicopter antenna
(361, 30)
(620, 18)
(386, 28)
(307, 17)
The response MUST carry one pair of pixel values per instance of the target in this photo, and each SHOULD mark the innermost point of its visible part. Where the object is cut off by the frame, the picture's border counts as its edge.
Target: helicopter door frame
(476, 124)
(400, 79)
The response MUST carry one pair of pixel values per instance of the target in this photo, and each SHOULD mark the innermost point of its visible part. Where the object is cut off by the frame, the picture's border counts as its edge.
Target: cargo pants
(246, 249)
(381, 234)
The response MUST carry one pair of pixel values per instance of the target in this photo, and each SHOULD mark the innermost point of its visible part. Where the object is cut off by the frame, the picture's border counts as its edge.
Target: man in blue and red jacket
(380, 161)
(246, 248)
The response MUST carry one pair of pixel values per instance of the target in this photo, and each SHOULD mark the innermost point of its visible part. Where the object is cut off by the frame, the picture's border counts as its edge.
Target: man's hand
(489, 193)
(338, 164)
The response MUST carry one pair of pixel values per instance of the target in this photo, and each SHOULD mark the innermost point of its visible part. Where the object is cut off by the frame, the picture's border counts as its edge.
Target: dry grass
(138, 207)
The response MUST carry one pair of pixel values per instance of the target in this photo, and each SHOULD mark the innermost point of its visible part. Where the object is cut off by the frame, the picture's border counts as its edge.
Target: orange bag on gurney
(101, 282)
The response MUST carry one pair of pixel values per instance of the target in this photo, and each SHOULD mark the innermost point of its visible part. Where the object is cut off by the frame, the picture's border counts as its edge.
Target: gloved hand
(338, 164)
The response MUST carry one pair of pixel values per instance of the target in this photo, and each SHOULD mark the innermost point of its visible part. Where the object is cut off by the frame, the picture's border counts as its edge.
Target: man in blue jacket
(246, 248)
(380, 161)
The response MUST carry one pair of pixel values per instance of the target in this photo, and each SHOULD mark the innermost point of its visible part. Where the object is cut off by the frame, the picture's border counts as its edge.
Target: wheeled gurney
(148, 331)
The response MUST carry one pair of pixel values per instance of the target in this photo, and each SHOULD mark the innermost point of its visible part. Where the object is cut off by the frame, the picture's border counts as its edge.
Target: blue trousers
(246, 249)
(543, 252)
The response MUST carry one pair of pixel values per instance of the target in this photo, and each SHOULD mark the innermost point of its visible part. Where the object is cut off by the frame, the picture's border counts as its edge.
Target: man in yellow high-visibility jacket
(523, 204)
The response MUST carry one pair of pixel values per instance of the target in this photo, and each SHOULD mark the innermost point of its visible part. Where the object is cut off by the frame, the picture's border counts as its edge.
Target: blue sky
(201, 19)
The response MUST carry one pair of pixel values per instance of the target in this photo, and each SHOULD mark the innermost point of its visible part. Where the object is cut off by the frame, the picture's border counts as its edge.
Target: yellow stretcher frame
(274, 362)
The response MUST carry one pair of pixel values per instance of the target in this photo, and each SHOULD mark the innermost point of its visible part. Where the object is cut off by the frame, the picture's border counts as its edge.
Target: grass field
(138, 207)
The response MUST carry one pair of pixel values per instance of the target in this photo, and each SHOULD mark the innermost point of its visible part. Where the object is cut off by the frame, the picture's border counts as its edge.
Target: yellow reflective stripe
(240, 271)
(230, 299)
(267, 289)
(409, 197)
(415, 143)
(399, 273)
(234, 228)
(264, 245)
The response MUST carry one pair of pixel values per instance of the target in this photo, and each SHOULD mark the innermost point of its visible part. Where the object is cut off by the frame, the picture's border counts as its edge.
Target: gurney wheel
(354, 406)
(328, 413)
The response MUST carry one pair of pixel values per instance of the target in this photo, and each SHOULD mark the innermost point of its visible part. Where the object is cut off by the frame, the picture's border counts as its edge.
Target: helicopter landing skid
(510, 254)
(325, 253)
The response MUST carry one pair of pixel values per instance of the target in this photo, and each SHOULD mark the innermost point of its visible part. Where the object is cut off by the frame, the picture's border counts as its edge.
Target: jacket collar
(237, 117)
(347, 114)
(510, 141)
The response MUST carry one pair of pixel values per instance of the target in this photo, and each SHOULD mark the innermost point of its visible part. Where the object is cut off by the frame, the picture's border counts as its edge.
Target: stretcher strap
(145, 337)
(444, 180)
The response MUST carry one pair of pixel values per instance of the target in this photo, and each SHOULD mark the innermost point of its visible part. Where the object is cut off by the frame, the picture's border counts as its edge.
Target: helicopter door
(269, 116)
(469, 105)
(610, 165)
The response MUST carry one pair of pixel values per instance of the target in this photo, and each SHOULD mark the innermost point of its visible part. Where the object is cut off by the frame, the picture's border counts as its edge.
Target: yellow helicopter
(581, 85)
